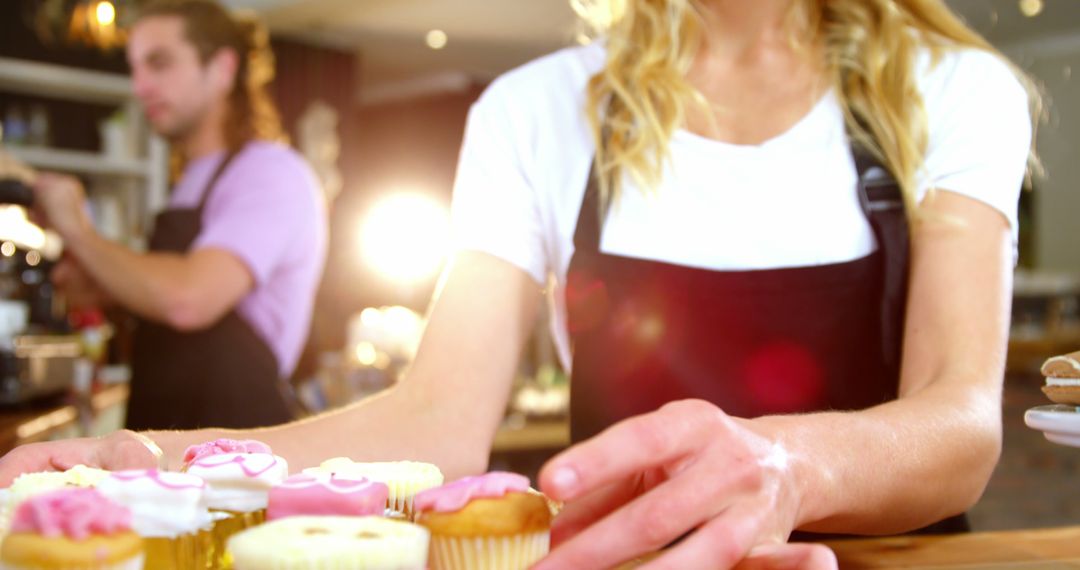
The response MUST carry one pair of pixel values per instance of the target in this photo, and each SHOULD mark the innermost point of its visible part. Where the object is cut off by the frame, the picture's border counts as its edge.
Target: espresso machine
(37, 355)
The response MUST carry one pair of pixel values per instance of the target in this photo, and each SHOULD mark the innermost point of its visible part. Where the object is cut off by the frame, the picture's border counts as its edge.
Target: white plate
(1059, 423)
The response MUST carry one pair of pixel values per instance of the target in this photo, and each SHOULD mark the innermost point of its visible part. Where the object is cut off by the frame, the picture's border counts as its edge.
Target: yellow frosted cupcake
(71, 529)
(490, 522)
(330, 542)
(404, 478)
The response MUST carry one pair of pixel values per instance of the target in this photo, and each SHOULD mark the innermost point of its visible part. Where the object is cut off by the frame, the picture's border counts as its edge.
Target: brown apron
(221, 376)
(776, 341)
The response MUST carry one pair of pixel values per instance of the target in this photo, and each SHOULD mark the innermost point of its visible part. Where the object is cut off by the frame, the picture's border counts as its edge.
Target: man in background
(225, 294)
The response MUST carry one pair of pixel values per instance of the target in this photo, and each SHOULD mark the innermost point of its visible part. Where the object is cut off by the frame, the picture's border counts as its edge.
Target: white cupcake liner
(515, 552)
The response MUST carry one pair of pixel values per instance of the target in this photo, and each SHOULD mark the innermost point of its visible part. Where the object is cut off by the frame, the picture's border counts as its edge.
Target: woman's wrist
(810, 475)
(172, 444)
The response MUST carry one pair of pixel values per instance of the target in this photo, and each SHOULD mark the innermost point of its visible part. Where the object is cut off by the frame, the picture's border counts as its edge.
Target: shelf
(78, 162)
(33, 78)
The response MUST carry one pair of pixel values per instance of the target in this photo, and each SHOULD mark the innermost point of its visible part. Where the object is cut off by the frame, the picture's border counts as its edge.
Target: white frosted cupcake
(168, 512)
(331, 542)
(404, 478)
(238, 486)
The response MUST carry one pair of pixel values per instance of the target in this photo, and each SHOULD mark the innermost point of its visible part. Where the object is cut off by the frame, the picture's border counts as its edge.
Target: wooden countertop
(24, 425)
(1036, 549)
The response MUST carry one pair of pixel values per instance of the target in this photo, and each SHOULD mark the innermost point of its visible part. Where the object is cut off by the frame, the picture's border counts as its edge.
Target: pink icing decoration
(220, 446)
(155, 476)
(326, 495)
(453, 496)
(214, 461)
(74, 513)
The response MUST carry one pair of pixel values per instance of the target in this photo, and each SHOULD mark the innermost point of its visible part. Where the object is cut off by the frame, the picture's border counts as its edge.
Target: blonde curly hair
(870, 52)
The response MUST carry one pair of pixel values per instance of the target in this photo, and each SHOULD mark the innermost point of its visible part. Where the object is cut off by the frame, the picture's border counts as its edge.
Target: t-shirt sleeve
(495, 209)
(258, 210)
(979, 130)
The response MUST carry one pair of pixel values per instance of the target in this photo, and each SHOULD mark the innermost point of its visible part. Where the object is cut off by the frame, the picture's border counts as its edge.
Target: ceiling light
(436, 39)
(1031, 8)
(106, 13)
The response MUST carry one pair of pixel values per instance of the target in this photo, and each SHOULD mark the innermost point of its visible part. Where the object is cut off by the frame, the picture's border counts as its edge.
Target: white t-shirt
(789, 202)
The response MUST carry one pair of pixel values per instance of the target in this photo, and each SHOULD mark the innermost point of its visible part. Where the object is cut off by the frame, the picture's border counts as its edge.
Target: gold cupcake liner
(135, 563)
(226, 524)
(514, 552)
(185, 552)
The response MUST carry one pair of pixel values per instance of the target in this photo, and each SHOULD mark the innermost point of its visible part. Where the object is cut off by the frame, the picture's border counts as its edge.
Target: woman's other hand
(686, 468)
(119, 450)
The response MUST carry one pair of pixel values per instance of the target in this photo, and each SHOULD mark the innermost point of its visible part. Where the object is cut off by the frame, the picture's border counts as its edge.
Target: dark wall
(17, 39)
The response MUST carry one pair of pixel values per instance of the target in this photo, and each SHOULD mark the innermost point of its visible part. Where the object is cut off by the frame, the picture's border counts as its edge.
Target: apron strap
(587, 231)
(212, 182)
(882, 202)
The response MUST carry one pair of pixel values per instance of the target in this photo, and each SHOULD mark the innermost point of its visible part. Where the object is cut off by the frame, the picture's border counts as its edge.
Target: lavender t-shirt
(268, 211)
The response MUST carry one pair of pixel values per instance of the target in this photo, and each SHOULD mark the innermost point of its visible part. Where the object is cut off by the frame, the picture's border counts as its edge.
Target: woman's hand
(686, 468)
(119, 450)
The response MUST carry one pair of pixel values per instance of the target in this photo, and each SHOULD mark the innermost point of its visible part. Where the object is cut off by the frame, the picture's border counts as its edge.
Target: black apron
(222, 376)
(775, 341)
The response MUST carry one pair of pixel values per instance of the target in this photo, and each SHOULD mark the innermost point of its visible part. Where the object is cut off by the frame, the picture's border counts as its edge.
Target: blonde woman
(766, 332)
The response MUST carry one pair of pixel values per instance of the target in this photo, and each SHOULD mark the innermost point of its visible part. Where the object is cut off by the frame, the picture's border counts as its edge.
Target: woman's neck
(740, 30)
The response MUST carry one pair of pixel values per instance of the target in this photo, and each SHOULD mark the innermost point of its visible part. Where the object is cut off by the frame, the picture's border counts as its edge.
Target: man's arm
(185, 291)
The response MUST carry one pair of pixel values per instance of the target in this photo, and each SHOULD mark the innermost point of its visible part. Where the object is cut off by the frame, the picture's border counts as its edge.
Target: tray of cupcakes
(234, 505)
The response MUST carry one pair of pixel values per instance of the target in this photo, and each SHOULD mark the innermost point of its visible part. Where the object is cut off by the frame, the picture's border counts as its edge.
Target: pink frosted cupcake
(326, 494)
(71, 529)
(492, 521)
(221, 447)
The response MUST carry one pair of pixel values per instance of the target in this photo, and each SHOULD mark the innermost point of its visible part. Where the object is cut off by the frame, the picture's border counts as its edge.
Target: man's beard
(181, 128)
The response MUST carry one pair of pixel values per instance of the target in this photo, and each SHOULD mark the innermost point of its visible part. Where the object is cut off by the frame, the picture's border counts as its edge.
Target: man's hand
(59, 201)
(77, 287)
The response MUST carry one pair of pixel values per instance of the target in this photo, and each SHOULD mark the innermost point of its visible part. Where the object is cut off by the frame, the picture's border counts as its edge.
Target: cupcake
(319, 543)
(169, 513)
(404, 478)
(223, 446)
(489, 522)
(30, 485)
(1063, 379)
(322, 494)
(71, 529)
(238, 476)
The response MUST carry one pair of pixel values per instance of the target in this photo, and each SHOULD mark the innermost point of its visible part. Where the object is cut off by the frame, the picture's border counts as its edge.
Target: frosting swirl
(220, 446)
(73, 513)
(453, 496)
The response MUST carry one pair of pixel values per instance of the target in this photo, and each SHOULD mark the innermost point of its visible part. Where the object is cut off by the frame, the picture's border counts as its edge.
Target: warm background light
(436, 39)
(404, 237)
(105, 13)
